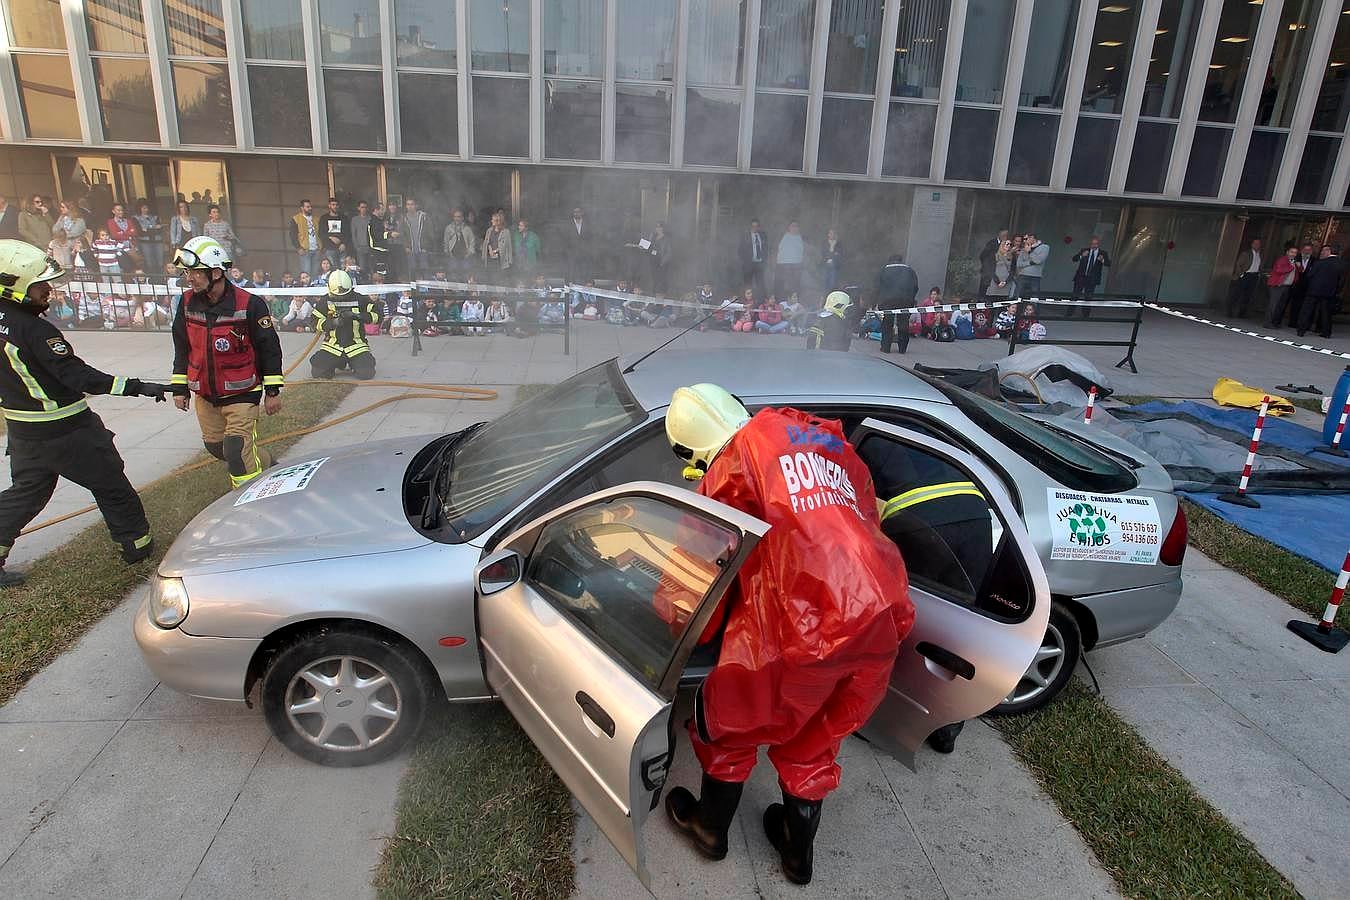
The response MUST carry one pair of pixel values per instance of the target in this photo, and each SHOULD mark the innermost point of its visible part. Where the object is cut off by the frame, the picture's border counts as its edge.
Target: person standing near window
(1247, 271)
(459, 244)
(183, 227)
(334, 227)
(1283, 276)
(753, 252)
(152, 237)
(35, 223)
(497, 251)
(791, 253)
(219, 228)
(305, 237)
(1091, 259)
(71, 222)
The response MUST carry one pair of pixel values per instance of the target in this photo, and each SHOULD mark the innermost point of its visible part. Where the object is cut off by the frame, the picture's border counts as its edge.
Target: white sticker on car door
(282, 481)
(1113, 528)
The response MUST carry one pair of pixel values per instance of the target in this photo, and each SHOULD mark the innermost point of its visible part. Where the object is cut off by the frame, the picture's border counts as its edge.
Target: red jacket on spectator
(1281, 269)
(770, 313)
(126, 233)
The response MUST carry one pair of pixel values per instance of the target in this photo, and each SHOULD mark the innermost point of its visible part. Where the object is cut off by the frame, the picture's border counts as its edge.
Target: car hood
(350, 504)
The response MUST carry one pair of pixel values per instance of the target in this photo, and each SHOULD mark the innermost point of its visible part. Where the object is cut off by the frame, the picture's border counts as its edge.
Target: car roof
(778, 375)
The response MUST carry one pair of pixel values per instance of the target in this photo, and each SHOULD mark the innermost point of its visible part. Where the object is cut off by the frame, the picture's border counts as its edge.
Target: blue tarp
(1277, 431)
(1314, 526)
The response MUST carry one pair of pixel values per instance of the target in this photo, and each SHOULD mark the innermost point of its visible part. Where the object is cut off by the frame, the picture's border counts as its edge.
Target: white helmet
(838, 303)
(339, 283)
(700, 421)
(202, 253)
(21, 266)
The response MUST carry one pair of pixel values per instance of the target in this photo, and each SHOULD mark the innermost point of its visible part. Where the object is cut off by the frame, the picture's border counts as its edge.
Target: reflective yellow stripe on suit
(34, 389)
(929, 492)
(47, 415)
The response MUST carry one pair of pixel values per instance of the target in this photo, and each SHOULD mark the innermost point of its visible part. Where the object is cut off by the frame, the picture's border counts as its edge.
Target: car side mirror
(498, 572)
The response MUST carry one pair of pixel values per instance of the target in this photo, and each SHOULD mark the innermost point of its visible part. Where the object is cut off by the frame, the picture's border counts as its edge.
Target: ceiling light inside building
(1298, 26)
(1115, 9)
(1235, 40)
(1337, 64)
(1109, 43)
(1161, 31)
(1217, 66)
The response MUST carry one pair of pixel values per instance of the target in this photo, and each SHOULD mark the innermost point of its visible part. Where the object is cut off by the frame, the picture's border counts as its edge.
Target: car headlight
(168, 602)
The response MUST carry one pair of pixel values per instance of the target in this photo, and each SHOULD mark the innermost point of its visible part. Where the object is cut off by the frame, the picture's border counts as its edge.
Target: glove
(149, 389)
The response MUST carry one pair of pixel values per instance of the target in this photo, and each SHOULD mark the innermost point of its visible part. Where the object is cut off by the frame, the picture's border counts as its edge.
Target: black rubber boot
(10, 579)
(705, 820)
(131, 554)
(944, 739)
(791, 827)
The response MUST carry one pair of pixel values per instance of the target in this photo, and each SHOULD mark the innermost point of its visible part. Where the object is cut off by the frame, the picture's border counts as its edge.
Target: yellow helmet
(21, 266)
(700, 421)
(202, 252)
(838, 303)
(339, 283)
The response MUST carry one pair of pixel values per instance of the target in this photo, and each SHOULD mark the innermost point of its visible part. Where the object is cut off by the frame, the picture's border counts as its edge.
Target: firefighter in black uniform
(830, 329)
(52, 430)
(342, 317)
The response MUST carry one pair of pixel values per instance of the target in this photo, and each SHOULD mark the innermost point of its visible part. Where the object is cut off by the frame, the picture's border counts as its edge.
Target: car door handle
(596, 713)
(947, 659)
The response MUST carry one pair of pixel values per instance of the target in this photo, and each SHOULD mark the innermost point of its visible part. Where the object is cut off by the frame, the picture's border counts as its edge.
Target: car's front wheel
(1050, 670)
(344, 698)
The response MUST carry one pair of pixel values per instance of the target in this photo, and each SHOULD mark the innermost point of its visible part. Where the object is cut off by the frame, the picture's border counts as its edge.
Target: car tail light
(1174, 546)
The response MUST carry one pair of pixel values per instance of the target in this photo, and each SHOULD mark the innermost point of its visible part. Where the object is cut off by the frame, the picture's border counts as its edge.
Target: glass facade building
(1089, 113)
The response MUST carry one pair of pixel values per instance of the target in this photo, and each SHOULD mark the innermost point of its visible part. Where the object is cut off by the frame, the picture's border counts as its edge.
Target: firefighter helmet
(202, 252)
(339, 283)
(838, 303)
(700, 421)
(21, 266)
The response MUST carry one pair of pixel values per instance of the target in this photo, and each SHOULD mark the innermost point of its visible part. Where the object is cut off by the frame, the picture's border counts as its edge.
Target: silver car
(544, 559)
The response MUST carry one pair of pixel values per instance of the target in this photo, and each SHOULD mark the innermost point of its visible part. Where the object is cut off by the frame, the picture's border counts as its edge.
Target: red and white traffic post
(1092, 401)
(1240, 498)
(1325, 635)
(1335, 448)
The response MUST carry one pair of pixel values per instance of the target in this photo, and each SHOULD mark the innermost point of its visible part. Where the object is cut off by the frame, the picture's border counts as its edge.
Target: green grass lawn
(480, 814)
(75, 585)
(1142, 819)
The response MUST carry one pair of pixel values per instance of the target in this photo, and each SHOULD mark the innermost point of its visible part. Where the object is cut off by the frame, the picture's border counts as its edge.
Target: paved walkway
(1252, 715)
(104, 771)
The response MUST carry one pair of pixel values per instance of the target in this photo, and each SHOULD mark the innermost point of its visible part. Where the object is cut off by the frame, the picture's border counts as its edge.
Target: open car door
(980, 594)
(586, 618)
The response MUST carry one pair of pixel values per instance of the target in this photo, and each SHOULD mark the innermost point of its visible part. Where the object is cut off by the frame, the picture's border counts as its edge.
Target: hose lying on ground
(423, 392)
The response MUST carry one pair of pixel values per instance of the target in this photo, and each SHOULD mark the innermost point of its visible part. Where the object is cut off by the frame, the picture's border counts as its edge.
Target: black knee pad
(215, 448)
(233, 446)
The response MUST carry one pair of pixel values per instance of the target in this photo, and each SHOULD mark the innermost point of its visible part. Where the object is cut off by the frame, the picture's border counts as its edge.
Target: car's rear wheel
(344, 698)
(1050, 671)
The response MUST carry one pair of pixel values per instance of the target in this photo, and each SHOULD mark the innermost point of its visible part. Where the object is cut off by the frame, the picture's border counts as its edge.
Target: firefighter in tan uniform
(226, 351)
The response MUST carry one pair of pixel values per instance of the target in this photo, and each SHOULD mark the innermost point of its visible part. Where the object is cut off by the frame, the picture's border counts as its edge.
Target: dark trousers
(325, 365)
(85, 456)
(1297, 294)
(1316, 314)
(1241, 297)
(1083, 291)
(753, 276)
(1279, 301)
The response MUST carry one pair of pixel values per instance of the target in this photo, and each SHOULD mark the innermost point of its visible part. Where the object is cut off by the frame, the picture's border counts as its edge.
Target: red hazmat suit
(817, 613)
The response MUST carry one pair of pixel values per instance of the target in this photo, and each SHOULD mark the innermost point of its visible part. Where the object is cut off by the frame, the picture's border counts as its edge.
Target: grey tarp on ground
(1200, 460)
(1053, 374)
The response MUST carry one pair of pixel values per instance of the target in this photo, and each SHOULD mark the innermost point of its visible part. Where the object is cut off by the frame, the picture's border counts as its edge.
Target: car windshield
(1073, 463)
(510, 457)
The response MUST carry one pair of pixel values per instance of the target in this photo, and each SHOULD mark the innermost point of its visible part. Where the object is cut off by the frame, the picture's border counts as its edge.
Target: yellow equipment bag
(1228, 392)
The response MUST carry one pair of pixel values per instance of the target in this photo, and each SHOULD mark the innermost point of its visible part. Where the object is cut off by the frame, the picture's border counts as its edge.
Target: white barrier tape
(465, 287)
(1270, 338)
(646, 298)
(1004, 303)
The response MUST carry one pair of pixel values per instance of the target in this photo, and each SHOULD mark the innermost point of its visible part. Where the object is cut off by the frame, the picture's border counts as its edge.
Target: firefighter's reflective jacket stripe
(929, 492)
(345, 338)
(42, 380)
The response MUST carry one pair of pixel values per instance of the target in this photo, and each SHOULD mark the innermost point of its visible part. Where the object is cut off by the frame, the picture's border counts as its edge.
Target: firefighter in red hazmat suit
(812, 625)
